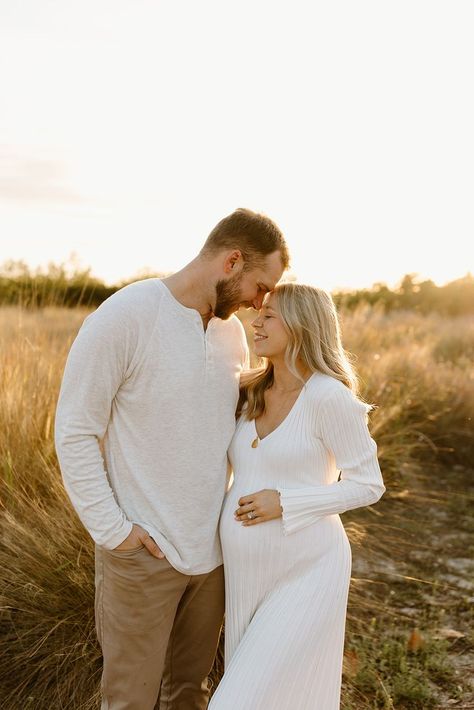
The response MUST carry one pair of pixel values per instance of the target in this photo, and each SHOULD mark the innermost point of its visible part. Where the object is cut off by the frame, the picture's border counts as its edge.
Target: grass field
(409, 641)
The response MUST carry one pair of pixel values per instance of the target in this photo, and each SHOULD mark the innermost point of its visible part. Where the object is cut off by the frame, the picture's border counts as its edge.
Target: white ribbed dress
(287, 580)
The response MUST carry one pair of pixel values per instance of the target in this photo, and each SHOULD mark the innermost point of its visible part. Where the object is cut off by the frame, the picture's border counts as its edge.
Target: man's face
(247, 289)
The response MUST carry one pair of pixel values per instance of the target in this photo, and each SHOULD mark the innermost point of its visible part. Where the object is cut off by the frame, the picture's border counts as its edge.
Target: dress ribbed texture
(287, 580)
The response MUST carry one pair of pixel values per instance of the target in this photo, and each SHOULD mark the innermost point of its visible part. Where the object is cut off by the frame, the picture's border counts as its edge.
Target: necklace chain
(287, 391)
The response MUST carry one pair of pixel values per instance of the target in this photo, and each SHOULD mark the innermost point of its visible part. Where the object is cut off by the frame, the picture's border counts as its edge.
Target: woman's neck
(284, 380)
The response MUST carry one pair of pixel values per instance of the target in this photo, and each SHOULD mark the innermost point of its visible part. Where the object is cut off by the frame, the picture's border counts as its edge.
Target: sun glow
(135, 132)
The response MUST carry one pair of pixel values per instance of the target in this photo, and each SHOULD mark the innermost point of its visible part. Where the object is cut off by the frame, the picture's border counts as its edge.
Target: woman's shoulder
(321, 385)
(325, 390)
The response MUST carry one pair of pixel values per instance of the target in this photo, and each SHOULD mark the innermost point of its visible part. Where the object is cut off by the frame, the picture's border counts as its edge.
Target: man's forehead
(270, 274)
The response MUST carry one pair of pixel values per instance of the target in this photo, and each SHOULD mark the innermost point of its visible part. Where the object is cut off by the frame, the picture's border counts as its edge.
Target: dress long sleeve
(341, 424)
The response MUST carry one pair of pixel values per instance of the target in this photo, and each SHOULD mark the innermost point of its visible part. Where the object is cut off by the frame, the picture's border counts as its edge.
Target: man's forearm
(86, 483)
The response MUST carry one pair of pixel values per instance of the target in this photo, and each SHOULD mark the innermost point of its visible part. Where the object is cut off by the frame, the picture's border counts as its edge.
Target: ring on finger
(251, 515)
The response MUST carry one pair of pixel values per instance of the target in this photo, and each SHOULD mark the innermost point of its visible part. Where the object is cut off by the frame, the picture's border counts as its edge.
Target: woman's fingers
(246, 500)
(245, 518)
(258, 515)
(254, 521)
(264, 505)
(244, 509)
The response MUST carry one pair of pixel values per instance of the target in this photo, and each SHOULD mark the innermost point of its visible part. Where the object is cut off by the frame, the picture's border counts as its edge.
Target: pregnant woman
(301, 455)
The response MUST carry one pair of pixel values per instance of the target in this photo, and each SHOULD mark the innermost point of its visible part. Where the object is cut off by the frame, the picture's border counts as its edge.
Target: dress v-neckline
(290, 412)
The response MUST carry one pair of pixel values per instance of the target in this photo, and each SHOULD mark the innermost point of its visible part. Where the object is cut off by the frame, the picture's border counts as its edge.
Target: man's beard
(228, 296)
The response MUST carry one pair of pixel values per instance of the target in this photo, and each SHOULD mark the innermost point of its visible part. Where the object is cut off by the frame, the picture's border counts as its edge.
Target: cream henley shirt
(160, 392)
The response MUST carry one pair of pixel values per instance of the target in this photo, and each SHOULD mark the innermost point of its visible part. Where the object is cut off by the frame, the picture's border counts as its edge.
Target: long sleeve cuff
(303, 506)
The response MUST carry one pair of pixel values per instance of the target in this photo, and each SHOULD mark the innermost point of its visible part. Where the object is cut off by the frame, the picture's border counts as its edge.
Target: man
(153, 375)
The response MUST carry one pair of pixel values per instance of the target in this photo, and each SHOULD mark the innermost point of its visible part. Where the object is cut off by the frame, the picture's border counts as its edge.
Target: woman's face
(270, 336)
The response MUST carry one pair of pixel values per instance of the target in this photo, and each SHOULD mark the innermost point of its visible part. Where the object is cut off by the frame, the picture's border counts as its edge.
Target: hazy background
(128, 129)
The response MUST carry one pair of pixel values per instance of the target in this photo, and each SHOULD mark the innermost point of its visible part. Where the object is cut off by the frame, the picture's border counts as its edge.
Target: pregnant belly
(253, 547)
(242, 541)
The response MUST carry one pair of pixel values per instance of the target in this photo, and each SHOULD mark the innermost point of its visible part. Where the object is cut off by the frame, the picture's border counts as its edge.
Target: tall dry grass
(47, 645)
(422, 384)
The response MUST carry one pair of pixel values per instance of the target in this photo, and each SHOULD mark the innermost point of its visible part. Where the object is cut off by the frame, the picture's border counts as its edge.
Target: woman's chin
(260, 350)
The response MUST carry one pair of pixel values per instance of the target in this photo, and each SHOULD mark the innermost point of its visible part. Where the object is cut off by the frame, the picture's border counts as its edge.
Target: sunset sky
(128, 129)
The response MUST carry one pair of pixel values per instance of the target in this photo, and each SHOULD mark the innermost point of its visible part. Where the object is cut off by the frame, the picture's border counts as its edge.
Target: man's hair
(255, 235)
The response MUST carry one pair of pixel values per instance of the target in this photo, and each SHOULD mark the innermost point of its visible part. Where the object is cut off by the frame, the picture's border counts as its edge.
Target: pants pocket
(125, 553)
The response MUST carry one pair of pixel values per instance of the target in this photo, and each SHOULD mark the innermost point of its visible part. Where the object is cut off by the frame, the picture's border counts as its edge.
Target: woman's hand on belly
(258, 507)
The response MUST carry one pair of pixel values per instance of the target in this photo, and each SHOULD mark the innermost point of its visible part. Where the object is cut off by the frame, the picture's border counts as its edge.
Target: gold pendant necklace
(257, 439)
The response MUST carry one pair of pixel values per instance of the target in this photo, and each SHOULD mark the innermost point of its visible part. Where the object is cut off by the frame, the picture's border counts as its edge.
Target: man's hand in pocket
(138, 536)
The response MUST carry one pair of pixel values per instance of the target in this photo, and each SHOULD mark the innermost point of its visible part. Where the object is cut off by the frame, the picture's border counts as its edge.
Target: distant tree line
(69, 285)
(454, 298)
(56, 285)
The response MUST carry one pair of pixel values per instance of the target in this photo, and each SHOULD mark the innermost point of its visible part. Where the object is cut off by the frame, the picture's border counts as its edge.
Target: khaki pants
(154, 622)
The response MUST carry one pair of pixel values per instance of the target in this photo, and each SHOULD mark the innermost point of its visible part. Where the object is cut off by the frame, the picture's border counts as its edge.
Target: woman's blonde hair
(314, 337)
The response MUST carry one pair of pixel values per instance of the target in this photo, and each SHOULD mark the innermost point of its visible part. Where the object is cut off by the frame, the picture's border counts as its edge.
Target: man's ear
(232, 261)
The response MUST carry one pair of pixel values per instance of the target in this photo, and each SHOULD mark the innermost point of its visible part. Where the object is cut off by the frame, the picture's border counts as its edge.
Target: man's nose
(257, 302)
